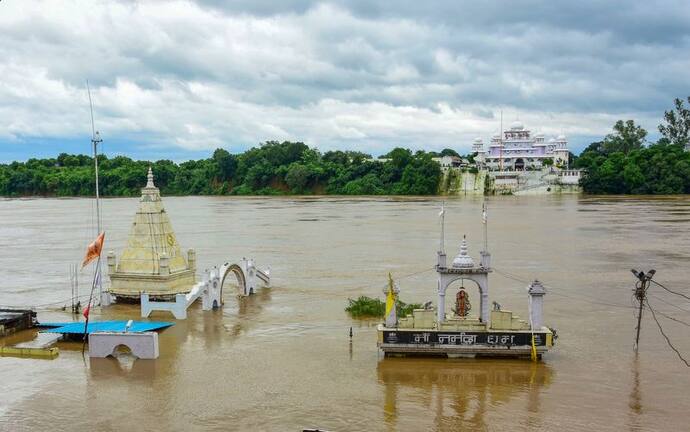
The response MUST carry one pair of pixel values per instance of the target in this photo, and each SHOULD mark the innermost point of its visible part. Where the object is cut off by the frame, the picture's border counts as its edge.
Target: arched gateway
(463, 268)
(210, 289)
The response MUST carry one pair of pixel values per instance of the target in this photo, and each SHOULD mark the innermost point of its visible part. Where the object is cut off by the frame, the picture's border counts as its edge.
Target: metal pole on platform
(95, 140)
(641, 295)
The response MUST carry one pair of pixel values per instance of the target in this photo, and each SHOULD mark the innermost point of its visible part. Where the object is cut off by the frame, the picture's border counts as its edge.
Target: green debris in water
(367, 307)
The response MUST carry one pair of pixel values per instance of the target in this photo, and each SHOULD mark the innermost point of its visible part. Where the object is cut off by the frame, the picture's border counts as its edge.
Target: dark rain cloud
(340, 74)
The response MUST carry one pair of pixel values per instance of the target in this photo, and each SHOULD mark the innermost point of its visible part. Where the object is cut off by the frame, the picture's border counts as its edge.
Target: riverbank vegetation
(368, 307)
(271, 169)
(624, 163)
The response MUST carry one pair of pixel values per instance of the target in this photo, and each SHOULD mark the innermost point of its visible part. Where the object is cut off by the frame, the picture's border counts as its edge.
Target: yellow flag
(390, 298)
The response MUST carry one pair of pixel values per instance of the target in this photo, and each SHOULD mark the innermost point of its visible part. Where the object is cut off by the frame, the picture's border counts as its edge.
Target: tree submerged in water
(368, 307)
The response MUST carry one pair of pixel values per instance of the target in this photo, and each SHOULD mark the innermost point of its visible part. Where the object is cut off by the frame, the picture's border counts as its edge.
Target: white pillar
(441, 306)
(441, 260)
(485, 259)
(164, 264)
(191, 259)
(484, 306)
(536, 292)
(112, 261)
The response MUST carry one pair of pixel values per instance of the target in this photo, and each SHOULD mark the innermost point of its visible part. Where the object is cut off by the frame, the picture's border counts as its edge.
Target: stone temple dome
(463, 260)
(560, 138)
(478, 140)
(517, 125)
(552, 140)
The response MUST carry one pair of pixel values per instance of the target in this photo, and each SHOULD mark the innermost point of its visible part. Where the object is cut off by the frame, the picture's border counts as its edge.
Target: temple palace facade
(518, 150)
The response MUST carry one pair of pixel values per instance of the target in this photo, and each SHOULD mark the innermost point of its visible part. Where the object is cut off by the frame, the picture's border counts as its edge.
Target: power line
(671, 318)
(640, 294)
(668, 341)
(671, 291)
(669, 303)
(582, 298)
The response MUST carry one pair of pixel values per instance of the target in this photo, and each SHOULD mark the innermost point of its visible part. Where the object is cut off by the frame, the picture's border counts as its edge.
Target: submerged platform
(14, 320)
(488, 343)
(77, 328)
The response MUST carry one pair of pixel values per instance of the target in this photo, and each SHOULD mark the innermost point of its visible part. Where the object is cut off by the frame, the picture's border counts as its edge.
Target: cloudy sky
(176, 79)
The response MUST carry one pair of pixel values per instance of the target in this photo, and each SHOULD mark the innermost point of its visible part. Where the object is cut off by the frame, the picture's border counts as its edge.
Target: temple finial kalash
(492, 333)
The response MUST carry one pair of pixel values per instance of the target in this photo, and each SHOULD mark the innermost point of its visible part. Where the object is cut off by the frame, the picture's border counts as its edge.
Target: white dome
(539, 135)
(552, 140)
(463, 260)
(478, 140)
(517, 125)
(560, 138)
(495, 136)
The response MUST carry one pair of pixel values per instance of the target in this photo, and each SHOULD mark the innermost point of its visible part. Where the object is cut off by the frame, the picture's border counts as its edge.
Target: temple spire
(149, 182)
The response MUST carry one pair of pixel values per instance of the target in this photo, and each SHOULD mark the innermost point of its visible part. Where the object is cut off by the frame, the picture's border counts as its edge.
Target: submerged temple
(152, 261)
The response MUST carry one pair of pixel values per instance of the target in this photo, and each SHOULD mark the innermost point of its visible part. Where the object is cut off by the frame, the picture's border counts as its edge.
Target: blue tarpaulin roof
(104, 326)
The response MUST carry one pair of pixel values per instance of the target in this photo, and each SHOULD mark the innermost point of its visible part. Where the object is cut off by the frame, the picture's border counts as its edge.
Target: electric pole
(641, 295)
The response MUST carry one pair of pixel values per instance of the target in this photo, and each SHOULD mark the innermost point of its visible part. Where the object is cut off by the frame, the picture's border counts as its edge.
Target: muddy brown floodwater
(282, 360)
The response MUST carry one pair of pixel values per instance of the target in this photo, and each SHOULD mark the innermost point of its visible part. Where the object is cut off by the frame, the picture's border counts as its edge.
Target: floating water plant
(368, 307)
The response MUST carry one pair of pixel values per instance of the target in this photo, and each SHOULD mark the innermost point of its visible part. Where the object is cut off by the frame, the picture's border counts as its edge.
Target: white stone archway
(449, 275)
(463, 267)
(235, 270)
(247, 274)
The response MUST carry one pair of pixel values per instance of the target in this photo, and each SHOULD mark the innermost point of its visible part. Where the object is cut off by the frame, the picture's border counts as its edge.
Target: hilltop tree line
(272, 168)
(624, 163)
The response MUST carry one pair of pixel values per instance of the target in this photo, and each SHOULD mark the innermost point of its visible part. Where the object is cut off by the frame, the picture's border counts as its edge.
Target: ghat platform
(493, 333)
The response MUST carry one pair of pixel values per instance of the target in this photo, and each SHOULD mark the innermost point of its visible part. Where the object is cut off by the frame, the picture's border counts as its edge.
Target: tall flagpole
(95, 140)
(443, 225)
(486, 231)
(87, 311)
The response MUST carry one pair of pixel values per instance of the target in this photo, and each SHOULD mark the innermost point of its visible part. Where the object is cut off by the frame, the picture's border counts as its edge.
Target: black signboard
(462, 338)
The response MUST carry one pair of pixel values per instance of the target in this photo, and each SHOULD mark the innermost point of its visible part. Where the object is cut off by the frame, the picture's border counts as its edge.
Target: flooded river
(282, 360)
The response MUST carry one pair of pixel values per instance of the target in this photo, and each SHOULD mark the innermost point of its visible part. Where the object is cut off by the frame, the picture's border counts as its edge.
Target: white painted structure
(142, 345)
(210, 289)
(450, 161)
(536, 293)
(518, 150)
(463, 268)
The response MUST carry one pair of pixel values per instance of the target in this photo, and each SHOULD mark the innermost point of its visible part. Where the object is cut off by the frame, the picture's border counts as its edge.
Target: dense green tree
(367, 185)
(449, 152)
(297, 177)
(226, 164)
(626, 137)
(661, 168)
(271, 168)
(677, 127)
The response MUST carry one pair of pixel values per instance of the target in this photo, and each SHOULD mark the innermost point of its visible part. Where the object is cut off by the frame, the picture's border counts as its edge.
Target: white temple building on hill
(518, 150)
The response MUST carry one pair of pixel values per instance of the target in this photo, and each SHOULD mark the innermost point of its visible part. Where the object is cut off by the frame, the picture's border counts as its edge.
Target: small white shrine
(492, 332)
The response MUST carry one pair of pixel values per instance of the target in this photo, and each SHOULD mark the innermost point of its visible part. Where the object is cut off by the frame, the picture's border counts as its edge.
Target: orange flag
(86, 312)
(94, 250)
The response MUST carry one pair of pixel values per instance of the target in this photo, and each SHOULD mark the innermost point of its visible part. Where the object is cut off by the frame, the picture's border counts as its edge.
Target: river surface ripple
(282, 360)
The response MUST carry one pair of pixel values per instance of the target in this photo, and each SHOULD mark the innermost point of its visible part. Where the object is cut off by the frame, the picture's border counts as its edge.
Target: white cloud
(186, 76)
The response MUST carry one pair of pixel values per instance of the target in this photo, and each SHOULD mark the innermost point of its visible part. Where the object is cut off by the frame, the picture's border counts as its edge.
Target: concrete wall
(533, 182)
(142, 345)
(456, 181)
